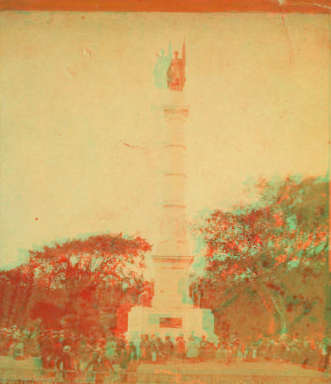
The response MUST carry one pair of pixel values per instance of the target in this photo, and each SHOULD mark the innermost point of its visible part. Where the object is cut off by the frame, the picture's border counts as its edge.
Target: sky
(79, 142)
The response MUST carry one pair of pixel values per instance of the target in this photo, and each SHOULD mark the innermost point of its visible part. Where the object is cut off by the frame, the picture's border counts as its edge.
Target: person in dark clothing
(54, 355)
(155, 349)
(56, 352)
(168, 348)
(68, 365)
(71, 341)
(145, 347)
(125, 361)
(159, 343)
(180, 347)
(132, 352)
(120, 349)
(46, 347)
(100, 366)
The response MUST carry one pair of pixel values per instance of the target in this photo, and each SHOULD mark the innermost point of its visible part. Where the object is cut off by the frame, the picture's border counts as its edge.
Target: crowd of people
(67, 351)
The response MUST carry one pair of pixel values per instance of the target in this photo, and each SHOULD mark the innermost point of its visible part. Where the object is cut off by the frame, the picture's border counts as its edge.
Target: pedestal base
(171, 321)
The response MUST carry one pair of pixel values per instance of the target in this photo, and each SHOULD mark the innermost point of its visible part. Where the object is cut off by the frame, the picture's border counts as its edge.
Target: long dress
(192, 349)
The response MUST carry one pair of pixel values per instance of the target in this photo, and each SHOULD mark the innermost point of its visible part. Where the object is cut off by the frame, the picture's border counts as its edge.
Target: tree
(15, 287)
(263, 246)
(76, 277)
(48, 312)
(101, 260)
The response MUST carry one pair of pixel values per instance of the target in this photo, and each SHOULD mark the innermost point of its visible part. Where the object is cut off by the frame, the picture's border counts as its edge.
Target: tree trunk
(272, 325)
(281, 312)
(269, 307)
(272, 306)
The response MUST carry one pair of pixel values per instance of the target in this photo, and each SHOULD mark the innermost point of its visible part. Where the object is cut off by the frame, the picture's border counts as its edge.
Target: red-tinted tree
(75, 280)
(90, 269)
(101, 260)
(267, 245)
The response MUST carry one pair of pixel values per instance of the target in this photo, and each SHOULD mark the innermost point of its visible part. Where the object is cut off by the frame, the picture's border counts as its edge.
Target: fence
(23, 376)
(28, 376)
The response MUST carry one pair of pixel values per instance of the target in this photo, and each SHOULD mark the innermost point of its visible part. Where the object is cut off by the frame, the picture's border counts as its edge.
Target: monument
(171, 310)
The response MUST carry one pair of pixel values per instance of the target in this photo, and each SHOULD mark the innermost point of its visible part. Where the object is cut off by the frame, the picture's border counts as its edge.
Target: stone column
(171, 311)
(172, 256)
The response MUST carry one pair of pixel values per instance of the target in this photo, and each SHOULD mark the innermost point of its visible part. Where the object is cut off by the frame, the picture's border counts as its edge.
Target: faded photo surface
(164, 197)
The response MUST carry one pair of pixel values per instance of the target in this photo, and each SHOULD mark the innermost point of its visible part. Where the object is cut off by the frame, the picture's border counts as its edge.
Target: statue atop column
(169, 72)
(176, 71)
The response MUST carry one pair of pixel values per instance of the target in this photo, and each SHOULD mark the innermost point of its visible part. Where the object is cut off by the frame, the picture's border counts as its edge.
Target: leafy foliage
(276, 247)
(77, 282)
(95, 261)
